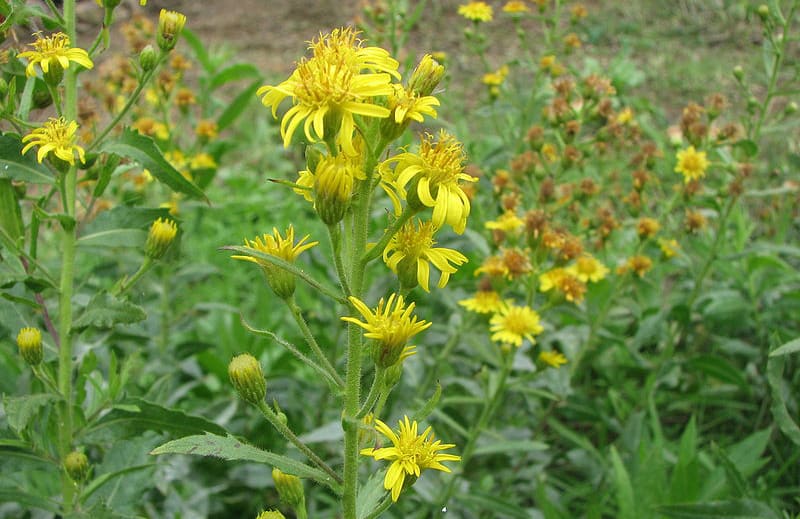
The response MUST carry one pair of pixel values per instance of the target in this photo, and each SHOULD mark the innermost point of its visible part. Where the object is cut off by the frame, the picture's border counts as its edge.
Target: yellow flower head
(29, 341)
(587, 268)
(476, 11)
(436, 171)
(54, 52)
(411, 251)
(330, 88)
(669, 248)
(515, 7)
(56, 136)
(692, 164)
(159, 238)
(282, 282)
(497, 77)
(564, 281)
(507, 222)
(483, 302)
(170, 26)
(553, 359)
(513, 323)
(408, 106)
(390, 324)
(426, 76)
(493, 266)
(647, 227)
(271, 514)
(410, 454)
(207, 129)
(333, 181)
(639, 264)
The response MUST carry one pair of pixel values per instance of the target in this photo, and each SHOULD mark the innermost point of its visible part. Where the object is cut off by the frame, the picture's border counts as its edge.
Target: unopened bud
(161, 235)
(289, 487)
(170, 25)
(77, 466)
(791, 108)
(247, 378)
(738, 72)
(333, 185)
(426, 76)
(752, 104)
(29, 341)
(147, 58)
(763, 12)
(271, 514)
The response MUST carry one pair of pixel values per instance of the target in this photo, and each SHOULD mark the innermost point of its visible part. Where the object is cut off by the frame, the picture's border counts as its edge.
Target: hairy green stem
(287, 433)
(374, 392)
(311, 341)
(127, 283)
(335, 236)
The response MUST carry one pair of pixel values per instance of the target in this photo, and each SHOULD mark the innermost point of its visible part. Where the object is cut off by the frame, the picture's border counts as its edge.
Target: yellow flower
(692, 164)
(57, 136)
(587, 268)
(625, 116)
(507, 222)
(271, 514)
(669, 248)
(426, 76)
(493, 266)
(54, 51)
(639, 264)
(647, 227)
(331, 87)
(513, 323)
(407, 106)
(436, 170)
(203, 161)
(564, 281)
(553, 359)
(282, 282)
(170, 26)
(390, 324)
(497, 77)
(159, 238)
(410, 454)
(207, 129)
(483, 302)
(411, 251)
(515, 7)
(476, 11)
(29, 341)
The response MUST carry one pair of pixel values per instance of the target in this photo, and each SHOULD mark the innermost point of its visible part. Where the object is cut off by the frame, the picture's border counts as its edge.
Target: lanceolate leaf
(105, 311)
(16, 166)
(733, 509)
(143, 150)
(231, 449)
(21, 410)
(780, 412)
(137, 415)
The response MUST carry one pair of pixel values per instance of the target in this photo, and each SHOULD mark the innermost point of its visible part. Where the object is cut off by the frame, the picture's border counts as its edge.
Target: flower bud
(426, 76)
(738, 73)
(147, 58)
(29, 341)
(333, 185)
(763, 12)
(247, 378)
(289, 488)
(109, 4)
(271, 514)
(161, 235)
(170, 25)
(791, 108)
(77, 466)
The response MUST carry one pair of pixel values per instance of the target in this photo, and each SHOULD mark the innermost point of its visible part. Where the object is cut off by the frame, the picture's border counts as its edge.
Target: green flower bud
(248, 378)
(29, 341)
(791, 108)
(289, 488)
(426, 76)
(170, 26)
(738, 73)
(77, 466)
(161, 235)
(147, 58)
(271, 514)
(763, 12)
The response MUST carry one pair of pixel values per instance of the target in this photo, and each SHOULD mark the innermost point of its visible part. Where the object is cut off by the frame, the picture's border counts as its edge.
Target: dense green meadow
(524, 259)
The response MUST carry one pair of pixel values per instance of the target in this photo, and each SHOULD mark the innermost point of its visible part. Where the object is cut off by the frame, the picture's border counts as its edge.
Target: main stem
(353, 374)
(68, 238)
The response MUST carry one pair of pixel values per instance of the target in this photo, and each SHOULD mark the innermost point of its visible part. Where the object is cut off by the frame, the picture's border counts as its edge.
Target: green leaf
(496, 447)
(719, 368)
(231, 449)
(234, 73)
(493, 504)
(238, 105)
(685, 482)
(370, 494)
(622, 481)
(98, 482)
(106, 311)
(10, 214)
(780, 412)
(199, 49)
(733, 509)
(21, 410)
(788, 348)
(134, 238)
(136, 415)
(16, 166)
(749, 147)
(28, 500)
(144, 150)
